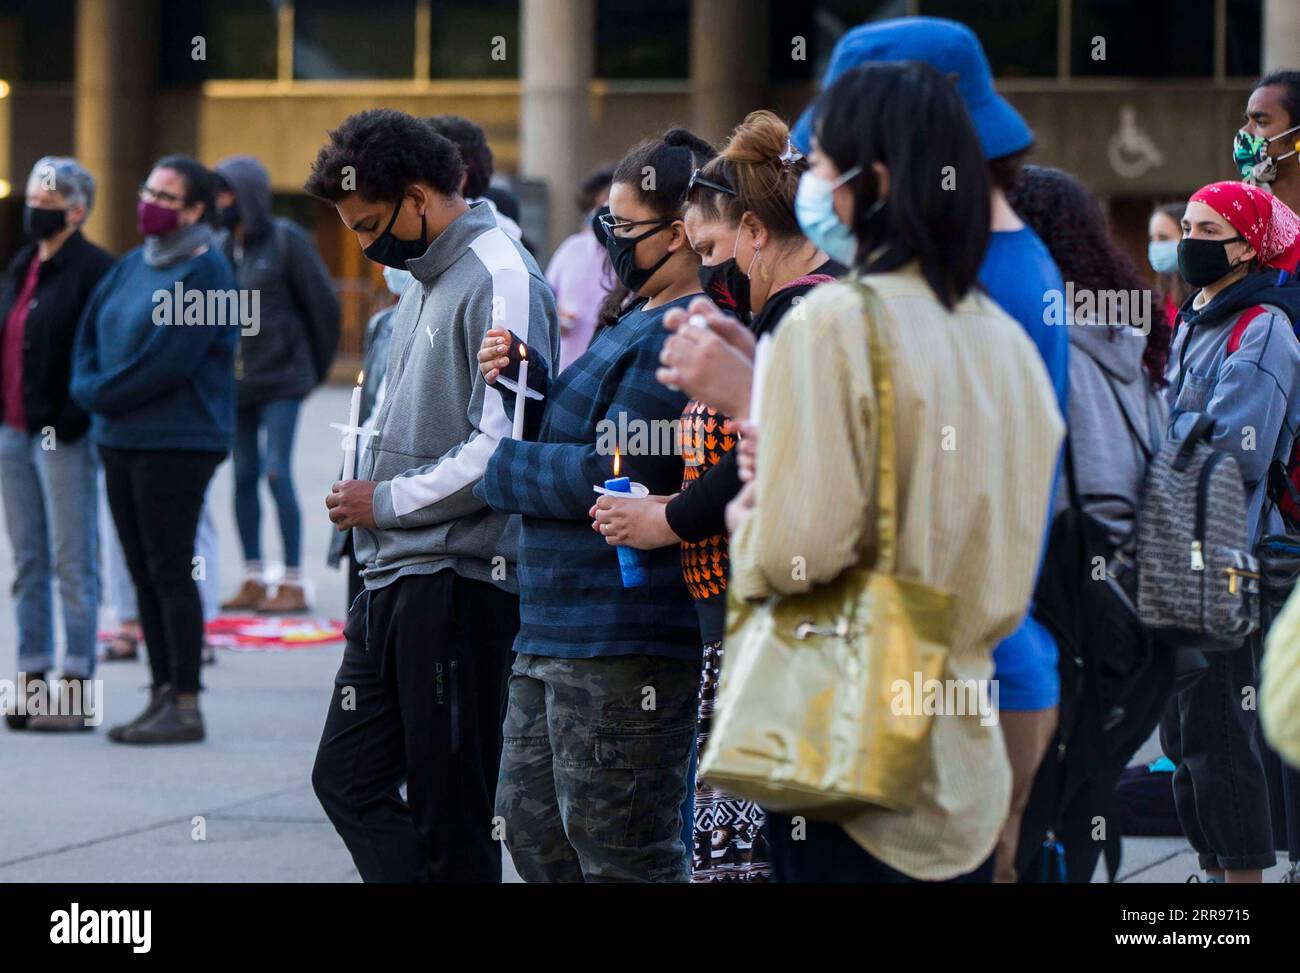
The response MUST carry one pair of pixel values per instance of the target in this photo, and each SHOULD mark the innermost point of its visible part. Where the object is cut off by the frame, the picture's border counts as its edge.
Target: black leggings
(825, 853)
(156, 497)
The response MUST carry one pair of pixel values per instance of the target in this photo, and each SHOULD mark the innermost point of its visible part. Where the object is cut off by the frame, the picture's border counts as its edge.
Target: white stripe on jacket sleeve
(510, 309)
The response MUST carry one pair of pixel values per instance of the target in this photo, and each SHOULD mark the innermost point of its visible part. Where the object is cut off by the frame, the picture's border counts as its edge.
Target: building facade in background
(1140, 98)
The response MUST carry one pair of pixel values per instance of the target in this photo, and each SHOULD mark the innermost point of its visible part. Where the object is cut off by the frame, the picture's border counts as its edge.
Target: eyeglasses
(150, 195)
(610, 223)
(699, 180)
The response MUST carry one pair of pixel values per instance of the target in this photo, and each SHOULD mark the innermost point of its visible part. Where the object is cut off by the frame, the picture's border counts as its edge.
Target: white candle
(350, 434)
(517, 432)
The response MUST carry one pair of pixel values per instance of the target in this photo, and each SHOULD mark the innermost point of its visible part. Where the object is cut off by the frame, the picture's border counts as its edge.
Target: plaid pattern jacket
(572, 600)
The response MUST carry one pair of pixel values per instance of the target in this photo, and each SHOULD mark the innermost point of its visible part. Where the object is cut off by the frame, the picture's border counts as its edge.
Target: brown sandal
(122, 648)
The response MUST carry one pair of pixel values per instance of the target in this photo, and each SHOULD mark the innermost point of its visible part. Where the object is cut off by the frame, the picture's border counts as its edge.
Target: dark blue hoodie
(151, 385)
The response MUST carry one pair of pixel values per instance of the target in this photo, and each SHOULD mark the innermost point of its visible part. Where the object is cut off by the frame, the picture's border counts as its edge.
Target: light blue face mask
(1163, 256)
(396, 279)
(815, 211)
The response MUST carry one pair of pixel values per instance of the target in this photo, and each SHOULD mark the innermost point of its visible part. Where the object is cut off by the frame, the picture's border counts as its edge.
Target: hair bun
(686, 139)
(761, 138)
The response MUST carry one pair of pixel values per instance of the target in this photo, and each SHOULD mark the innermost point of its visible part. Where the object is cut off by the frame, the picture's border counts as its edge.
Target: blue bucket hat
(948, 47)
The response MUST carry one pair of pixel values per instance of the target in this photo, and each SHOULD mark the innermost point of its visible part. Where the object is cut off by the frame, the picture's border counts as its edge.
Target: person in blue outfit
(154, 365)
(1019, 274)
(594, 780)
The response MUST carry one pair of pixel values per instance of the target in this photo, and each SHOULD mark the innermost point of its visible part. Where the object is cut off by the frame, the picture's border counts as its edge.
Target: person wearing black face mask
(46, 459)
(1235, 360)
(429, 640)
(567, 818)
(287, 356)
(756, 265)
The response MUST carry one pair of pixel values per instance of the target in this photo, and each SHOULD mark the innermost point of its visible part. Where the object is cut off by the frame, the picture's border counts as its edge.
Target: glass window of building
(474, 39)
(1245, 30)
(37, 40)
(335, 39)
(804, 34)
(217, 39)
(635, 39)
(1154, 38)
(1019, 36)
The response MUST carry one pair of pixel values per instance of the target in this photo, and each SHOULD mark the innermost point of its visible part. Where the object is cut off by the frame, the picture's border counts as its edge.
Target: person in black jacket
(286, 356)
(48, 467)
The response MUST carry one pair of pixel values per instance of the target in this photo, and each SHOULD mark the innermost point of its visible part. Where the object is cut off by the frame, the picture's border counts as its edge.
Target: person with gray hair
(48, 466)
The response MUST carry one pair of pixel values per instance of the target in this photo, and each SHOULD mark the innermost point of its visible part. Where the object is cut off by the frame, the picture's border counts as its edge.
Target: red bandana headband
(1265, 222)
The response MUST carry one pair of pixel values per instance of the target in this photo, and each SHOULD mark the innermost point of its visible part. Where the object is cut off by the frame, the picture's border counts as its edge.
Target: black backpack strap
(1071, 484)
(1202, 429)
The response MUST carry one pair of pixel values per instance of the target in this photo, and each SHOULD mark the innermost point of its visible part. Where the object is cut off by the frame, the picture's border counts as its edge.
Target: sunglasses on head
(699, 180)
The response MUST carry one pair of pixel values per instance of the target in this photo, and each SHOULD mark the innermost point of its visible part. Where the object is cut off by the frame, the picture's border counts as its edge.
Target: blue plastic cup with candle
(631, 562)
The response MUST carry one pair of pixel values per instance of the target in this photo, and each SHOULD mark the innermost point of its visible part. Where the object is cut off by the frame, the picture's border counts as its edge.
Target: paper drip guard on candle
(352, 430)
(631, 562)
(512, 386)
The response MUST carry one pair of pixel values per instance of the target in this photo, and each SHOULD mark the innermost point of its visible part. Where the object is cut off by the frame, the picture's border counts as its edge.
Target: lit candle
(517, 432)
(631, 562)
(351, 430)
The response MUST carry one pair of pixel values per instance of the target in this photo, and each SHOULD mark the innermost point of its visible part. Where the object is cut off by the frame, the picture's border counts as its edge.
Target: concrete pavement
(78, 808)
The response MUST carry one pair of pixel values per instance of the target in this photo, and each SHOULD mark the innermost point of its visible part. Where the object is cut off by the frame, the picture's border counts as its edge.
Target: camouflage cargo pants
(593, 773)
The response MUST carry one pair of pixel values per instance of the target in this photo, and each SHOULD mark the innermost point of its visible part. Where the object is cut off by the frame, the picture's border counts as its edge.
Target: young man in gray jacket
(420, 694)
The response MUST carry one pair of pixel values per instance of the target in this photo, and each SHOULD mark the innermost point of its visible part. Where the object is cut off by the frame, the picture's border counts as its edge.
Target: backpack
(1197, 581)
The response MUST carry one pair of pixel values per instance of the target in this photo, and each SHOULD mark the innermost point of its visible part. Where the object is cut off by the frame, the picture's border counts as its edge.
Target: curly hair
(474, 151)
(1289, 82)
(1069, 221)
(378, 153)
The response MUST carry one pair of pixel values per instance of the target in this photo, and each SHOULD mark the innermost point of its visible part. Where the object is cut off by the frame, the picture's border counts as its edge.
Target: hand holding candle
(351, 430)
(517, 431)
(493, 358)
(631, 562)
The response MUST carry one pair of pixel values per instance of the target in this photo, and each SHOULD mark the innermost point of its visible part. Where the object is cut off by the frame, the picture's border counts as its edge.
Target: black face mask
(727, 286)
(228, 216)
(622, 254)
(598, 227)
(40, 224)
(1202, 262)
(392, 252)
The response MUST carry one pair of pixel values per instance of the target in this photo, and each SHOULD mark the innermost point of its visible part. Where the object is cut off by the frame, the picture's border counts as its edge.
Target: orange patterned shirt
(704, 443)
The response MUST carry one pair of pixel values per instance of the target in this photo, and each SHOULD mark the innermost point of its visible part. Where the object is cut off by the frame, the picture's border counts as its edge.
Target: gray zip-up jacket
(438, 423)
(1117, 421)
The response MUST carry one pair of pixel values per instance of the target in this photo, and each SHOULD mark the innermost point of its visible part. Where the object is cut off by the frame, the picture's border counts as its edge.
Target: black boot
(177, 721)
(17, 720)
(73, 707)
(157, 696)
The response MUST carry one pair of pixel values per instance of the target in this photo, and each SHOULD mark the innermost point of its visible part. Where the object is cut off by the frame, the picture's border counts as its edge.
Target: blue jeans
(280, 419)
(50, 505)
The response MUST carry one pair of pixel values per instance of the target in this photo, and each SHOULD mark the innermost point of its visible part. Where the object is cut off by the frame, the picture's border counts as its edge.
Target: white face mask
(396, 280)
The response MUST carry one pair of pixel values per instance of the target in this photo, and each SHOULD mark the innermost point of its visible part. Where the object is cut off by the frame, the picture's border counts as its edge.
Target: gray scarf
(163, 251)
